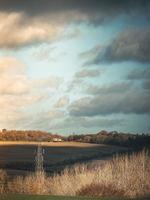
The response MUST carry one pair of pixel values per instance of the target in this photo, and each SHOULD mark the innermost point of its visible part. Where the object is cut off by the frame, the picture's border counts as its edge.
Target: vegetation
(123, 176)
(114, 138)
(103, 137)
(14, 135)
(3, 181)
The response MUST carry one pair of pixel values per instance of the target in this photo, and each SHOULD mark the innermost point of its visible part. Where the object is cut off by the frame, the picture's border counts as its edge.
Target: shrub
(98, 190)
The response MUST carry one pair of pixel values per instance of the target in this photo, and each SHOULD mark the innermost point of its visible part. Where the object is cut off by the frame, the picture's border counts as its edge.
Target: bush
(100, 190)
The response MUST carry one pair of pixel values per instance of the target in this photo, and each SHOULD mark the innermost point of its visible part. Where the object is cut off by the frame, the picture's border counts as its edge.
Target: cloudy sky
(75, 66)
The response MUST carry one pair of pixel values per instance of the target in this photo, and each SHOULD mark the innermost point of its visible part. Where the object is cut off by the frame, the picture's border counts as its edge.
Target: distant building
(57, 140)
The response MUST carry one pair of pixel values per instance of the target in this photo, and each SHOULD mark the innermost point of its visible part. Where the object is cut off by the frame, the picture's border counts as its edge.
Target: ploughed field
(18, 158)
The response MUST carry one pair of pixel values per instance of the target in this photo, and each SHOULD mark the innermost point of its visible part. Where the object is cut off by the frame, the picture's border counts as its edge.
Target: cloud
(10, 66)
(51, 82)
(87, 73)
(62, 102)
(132, 101)
(91, 54)
(25, 31)
(106, 89)
(14, 86)
(19, 93)
(98, 10)
(132, 44)
(146, 85)
(43, 20)
(80, 78)
(44, 120)
(14, 109)
(12, 77)
(87, 122)
(71, 34)
(44, 53)
(139, 74)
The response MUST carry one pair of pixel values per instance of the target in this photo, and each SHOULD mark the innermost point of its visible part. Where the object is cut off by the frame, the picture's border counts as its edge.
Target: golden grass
(129, 174)
(3, 179)
(31, 184)
(125, 176)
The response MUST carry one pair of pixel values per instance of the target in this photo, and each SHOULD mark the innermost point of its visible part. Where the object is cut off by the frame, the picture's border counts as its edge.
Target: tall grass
(3, 180)
(124, 176)
(31, 184)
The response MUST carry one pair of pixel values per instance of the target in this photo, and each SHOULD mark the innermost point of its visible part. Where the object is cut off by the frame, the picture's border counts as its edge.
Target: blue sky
(75, 68)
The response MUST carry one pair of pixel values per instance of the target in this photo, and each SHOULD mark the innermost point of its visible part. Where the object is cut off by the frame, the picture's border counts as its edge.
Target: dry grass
(97, 190)
(3, 179)
(125, 176)
(129, 175)
(31, 184)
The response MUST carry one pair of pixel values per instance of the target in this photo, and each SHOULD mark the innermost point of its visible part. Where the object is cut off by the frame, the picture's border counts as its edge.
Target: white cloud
(28, 30)
(62, 102)
(10, 66)
(13, 78)
(18, 93)
(16, 30)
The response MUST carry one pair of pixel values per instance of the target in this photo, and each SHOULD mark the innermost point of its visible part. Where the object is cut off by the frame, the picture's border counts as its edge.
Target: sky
(75, 66)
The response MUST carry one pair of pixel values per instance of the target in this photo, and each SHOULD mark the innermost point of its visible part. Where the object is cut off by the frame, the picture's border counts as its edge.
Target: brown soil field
(19, 157)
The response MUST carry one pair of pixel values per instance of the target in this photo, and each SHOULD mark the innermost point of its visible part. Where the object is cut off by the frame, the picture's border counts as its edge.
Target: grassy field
(19, 157)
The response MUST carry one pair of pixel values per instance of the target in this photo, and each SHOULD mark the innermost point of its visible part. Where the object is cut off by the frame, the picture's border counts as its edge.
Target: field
(73, 170)
(31, 197)
(123, 176)
(18, 158)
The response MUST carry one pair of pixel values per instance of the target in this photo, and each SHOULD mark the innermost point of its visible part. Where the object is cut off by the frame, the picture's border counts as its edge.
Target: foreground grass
(32, 197)
(124, 176)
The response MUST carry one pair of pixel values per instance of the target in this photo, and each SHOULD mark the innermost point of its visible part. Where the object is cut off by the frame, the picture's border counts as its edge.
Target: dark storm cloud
(139, 74)
(114, 88)
(36, 21)
(99, 10)
(146, 85)
(137, 102)
(132, 44)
